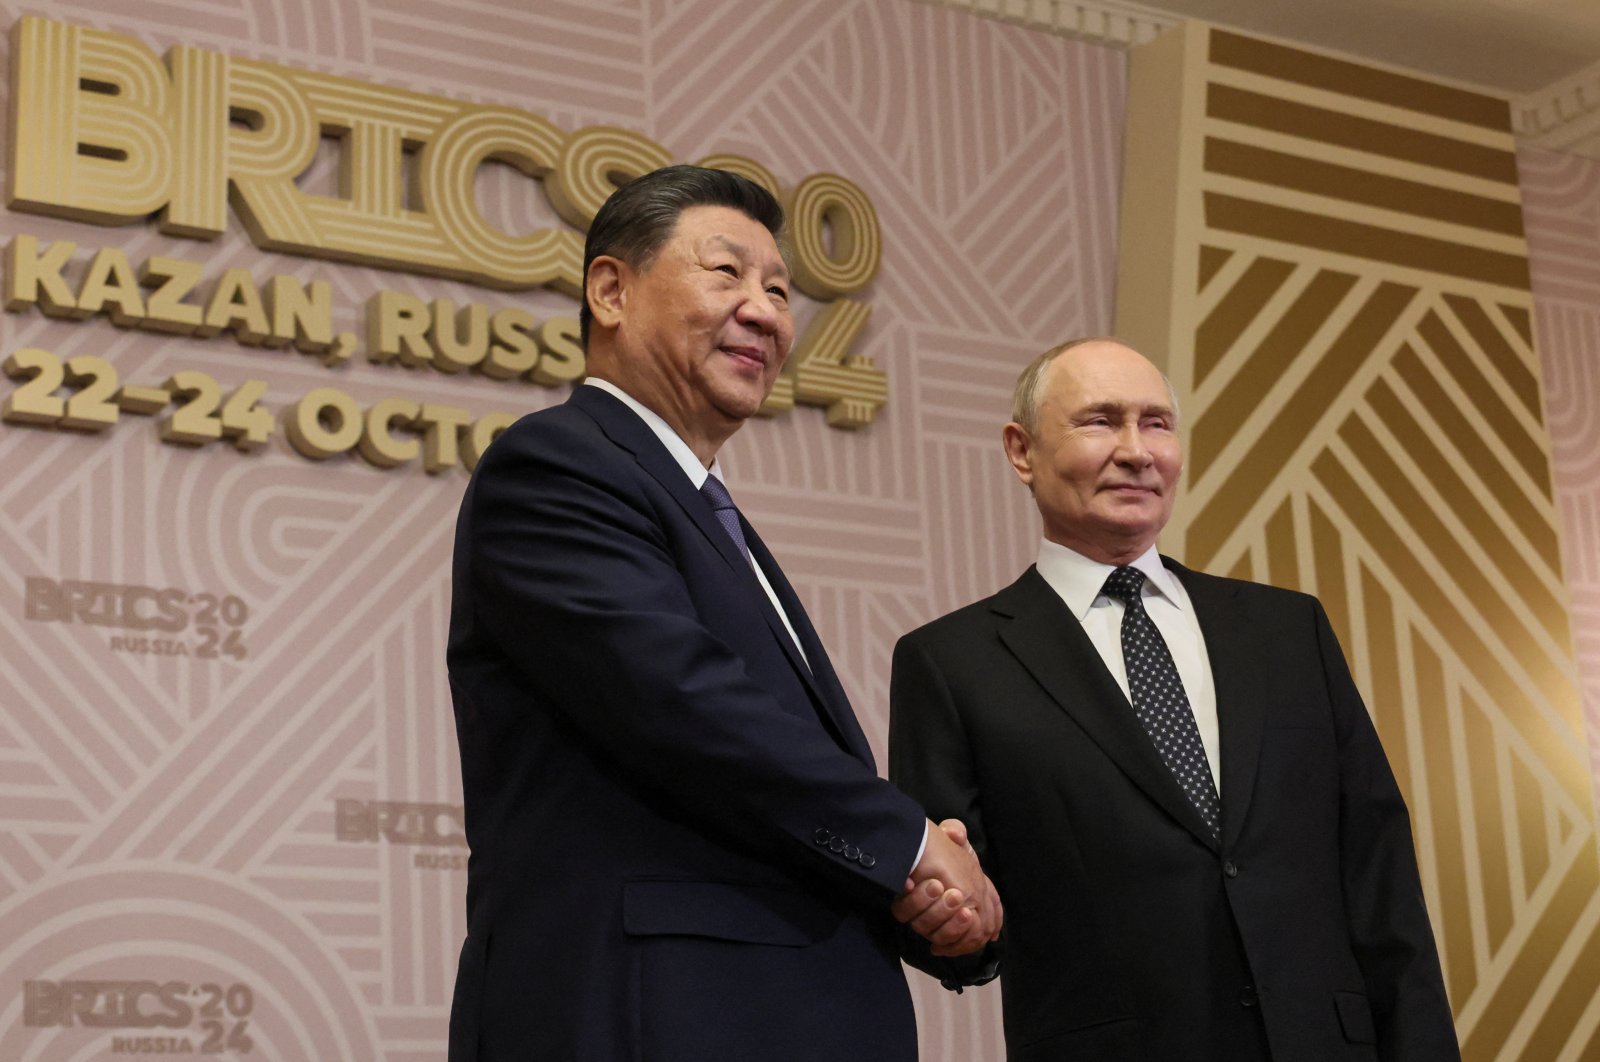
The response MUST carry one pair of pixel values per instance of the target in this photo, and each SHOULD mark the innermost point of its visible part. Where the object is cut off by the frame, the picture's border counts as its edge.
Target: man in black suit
(1170, 776)
(680, 848)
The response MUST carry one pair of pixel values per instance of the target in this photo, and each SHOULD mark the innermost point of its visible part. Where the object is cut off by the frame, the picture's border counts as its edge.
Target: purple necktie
(1159, 700)
(727, 515)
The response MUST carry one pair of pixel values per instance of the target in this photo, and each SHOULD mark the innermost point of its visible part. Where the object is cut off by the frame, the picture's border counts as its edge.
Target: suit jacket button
(1229, 869)
(1247, 996)
(852, 853)
(822, 836)
(836, 844)
(867, 861)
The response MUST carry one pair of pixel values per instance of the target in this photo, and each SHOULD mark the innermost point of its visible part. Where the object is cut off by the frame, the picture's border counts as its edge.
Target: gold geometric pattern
(1337, 276)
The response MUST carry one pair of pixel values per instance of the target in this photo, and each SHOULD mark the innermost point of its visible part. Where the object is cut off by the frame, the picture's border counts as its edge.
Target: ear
(603, 287)
(1019, 451)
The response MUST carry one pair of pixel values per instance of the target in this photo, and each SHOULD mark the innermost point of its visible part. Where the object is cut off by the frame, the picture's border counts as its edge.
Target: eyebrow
(730, 244)
(1160, 410)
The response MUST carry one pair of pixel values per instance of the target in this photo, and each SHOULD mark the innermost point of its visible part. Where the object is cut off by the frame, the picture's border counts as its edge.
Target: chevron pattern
(1353, 341)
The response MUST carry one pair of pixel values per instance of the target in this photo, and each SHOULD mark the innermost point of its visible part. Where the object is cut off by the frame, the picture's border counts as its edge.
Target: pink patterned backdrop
(210, 825)
(1561, 209)
(214, 826)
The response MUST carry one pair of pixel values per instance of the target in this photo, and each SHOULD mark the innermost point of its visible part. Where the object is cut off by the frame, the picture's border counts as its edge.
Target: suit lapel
(1050, 643)
(625, 429)
(819, 677)
(1235, 650)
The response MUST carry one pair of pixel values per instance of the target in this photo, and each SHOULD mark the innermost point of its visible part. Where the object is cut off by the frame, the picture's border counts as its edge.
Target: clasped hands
(948, 898)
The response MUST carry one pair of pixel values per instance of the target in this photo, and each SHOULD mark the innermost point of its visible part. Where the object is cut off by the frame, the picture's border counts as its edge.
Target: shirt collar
(675, 445)
(1077, 580)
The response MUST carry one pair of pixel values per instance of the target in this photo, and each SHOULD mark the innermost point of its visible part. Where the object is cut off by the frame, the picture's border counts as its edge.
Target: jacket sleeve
(574, 579)
(930, 759)
(1389, 928)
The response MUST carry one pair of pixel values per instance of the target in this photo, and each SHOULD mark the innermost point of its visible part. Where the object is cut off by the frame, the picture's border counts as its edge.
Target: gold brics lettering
(104, 131)
(167, 294)
(323, 423)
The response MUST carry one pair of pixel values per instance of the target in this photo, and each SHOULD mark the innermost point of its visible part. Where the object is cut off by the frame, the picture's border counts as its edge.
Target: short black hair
(639, 217)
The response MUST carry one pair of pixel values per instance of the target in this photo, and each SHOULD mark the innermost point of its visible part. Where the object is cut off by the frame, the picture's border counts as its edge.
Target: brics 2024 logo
(151, 618)
(105, 131)
(406, 822)
(166, 1017)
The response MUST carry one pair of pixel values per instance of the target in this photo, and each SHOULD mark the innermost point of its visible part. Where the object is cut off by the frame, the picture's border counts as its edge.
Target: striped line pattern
(1353, 337)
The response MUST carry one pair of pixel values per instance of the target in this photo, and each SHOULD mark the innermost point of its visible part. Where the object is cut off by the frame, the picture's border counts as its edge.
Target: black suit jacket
(1131, 935)
(679, 847)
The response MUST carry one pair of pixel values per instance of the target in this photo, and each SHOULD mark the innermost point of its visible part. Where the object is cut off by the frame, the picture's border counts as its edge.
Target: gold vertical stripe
(1364, 186)
(202, 125)
(1493, 343)
(1510, 561)
(1530, 821)
(1267, 364)
(1531, 966)
(1211, 260)
(1405, 504)
(45, 155)
(1234, 311)
(1454, 929)
(1283, 563)
(1475, 455)
(1286, 432)
(1229, 104)
(1381, 652)
(1327, 551)
(1472, 655)
(1358, 80)
(1488, 822)
(1359, 240)
(1524, 448)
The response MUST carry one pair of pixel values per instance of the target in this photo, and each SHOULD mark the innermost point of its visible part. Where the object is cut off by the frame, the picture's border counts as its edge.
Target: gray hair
(1031, 384)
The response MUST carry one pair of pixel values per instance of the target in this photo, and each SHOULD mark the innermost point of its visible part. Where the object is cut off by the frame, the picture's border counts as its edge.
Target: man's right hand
(948, 898)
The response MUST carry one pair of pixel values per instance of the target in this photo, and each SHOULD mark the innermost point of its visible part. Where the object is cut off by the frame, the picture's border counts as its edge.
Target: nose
(1132, 451)
(759, 310)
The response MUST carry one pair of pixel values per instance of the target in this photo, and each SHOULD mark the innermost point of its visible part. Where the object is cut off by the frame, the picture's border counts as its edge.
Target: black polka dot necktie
(1159, 700)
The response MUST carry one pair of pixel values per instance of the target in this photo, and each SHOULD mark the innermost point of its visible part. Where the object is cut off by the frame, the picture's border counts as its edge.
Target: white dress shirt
(1078, 581)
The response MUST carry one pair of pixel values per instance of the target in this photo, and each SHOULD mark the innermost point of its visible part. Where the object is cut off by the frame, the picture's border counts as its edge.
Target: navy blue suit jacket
(680, 849)
(1132, 935)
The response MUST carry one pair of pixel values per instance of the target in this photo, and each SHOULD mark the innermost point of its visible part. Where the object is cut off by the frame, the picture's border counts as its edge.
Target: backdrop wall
(1561, 207)
(278, 821)
(1331, 258)
(257, 850)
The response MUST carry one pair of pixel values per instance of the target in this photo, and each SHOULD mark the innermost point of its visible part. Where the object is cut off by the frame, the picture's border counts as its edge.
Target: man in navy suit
(1172, 777)
(680, 847)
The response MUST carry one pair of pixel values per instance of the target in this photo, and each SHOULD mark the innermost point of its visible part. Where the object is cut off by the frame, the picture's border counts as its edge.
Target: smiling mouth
(754, 355)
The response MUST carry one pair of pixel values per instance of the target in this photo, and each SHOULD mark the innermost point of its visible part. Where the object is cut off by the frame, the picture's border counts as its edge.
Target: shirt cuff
(921, 848)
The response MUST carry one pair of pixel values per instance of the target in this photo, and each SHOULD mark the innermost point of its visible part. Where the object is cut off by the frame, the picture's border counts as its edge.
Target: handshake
(948, 898)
